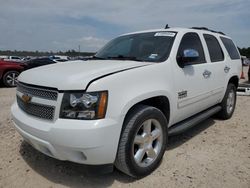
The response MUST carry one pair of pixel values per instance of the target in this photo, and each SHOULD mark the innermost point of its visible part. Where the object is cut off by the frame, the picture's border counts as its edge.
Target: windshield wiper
(99, 58)
(121, 57)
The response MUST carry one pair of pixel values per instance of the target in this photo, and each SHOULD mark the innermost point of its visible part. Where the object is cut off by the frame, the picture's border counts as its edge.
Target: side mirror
(188, 56)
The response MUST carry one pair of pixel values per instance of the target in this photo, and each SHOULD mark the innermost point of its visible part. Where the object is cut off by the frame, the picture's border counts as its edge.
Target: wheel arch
(10, 69)
(234, 80)
(160, 102)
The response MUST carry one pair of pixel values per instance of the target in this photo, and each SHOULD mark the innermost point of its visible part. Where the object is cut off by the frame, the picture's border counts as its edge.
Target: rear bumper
(88, 142)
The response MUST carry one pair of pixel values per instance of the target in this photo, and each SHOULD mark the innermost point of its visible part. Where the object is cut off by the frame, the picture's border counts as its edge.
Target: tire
(139, 157)
(228, 103)
(9, 78)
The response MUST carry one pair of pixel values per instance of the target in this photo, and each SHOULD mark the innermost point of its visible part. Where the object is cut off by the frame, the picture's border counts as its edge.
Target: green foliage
(245, 51)
(71, 53)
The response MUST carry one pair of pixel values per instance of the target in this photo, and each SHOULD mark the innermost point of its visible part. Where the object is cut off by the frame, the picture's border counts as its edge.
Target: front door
(192, 83)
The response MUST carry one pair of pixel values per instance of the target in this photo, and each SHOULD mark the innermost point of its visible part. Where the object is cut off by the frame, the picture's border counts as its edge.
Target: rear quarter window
(231, 48)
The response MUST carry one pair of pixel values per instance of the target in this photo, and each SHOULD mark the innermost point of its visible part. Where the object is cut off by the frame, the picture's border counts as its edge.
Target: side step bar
(192, 121)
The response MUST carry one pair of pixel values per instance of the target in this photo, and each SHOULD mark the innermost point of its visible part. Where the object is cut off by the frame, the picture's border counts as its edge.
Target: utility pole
(79, 48)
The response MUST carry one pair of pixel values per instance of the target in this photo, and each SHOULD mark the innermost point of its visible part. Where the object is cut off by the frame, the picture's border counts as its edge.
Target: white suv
(120, 106)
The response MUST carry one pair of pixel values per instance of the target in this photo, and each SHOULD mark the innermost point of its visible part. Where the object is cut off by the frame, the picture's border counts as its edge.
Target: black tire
(8, 78)
(125, 159)
(225, 113)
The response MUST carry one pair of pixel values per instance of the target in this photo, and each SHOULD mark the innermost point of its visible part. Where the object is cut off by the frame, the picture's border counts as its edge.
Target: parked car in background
(41, 61)
(245, 61)
(2, 57)
(9, 71)
(13, 58)
(84, 58)
(37, 62)
(26, 58)
(59, 57)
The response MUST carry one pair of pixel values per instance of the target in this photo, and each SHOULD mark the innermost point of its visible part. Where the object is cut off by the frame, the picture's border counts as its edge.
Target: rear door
(233, 61)
(217, 66)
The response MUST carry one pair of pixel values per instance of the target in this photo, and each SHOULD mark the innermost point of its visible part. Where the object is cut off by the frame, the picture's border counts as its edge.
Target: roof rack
(205, 28)
(166, 27)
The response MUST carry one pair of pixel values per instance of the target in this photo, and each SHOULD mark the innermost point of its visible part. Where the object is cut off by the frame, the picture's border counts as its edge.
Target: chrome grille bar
(44, 93)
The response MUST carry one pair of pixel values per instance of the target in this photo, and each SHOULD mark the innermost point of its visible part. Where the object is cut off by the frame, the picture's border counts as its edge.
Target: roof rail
(205, 28)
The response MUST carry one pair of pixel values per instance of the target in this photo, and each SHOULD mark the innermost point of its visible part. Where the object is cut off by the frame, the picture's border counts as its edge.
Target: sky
(61, 25)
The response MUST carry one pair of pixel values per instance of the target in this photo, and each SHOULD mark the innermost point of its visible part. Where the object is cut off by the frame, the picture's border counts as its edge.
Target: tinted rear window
(214, 48)
(231, 49)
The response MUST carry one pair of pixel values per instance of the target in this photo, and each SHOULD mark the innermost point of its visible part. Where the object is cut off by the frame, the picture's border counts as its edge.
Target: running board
(192, 121)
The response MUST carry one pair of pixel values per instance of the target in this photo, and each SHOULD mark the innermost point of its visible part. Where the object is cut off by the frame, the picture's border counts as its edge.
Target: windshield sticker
(164, 34)
(153, 56)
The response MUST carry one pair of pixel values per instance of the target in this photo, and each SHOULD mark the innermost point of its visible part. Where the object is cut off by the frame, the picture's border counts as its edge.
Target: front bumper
(91, 142)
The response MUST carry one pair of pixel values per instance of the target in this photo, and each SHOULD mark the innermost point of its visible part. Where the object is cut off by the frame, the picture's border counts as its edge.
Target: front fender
(146, 96)
(131, 87)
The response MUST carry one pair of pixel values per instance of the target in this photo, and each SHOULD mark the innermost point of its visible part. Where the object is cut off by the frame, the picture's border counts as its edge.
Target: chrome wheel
(143, 141)
(11, 79)
(147, 143)
(230, 101)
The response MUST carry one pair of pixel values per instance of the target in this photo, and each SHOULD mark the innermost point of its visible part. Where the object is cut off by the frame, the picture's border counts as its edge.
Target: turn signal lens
(102, 105)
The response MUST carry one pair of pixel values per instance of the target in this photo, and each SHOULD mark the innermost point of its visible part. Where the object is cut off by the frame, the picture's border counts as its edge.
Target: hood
(74, 75)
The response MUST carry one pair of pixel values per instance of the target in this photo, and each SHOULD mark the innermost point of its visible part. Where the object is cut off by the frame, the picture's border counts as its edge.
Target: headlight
(84, 105)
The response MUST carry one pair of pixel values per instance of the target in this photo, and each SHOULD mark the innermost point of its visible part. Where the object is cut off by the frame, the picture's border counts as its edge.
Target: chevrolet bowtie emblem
(26, 98)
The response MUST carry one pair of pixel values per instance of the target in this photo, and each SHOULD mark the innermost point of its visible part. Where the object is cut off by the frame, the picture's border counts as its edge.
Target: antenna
(166, 27)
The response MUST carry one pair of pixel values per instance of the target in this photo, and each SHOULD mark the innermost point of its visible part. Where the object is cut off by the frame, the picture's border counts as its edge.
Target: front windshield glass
(148, 47)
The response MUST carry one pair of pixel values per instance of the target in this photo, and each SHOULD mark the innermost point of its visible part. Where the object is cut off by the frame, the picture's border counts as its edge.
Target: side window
(214, 48)
(192, 41)
(15, 57)
(231, 49)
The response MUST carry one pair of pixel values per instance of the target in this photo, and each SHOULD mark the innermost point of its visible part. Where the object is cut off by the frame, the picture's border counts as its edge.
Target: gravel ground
(214, 154)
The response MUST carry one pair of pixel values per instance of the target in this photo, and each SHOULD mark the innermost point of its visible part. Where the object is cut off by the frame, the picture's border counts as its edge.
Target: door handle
(206, 74)
(227, 69)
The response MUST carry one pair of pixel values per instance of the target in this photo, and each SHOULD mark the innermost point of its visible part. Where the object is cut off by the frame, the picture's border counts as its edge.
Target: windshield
(148, 47)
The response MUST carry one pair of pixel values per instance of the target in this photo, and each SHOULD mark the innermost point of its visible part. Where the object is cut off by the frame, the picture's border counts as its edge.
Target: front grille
(44, 93)
(37, 110)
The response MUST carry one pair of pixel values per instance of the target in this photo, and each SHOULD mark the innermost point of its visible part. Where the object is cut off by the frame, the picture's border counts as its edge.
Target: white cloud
(36, 24)
(93, 42)
(88, 44)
